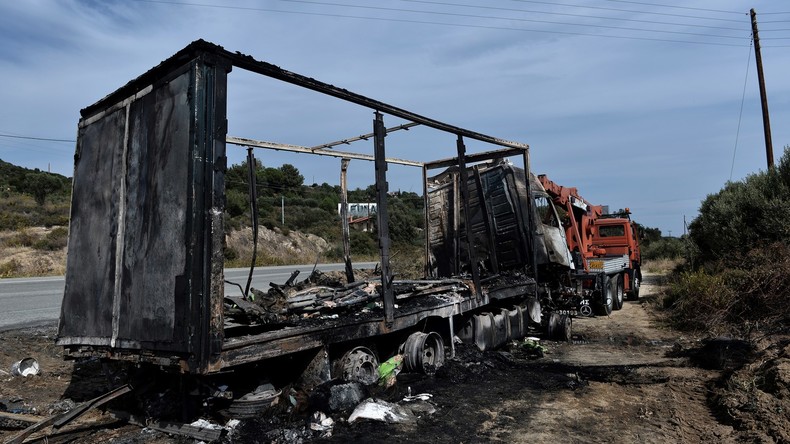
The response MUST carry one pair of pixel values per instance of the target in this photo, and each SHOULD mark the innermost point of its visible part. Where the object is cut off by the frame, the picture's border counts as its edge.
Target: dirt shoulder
(624, 378)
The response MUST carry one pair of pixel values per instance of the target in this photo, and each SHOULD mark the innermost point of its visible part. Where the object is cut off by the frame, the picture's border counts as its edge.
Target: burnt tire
(559, 327)
(423, 352)
(617, 287)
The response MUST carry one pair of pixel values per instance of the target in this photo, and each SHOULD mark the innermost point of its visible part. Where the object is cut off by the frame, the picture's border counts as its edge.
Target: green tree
(745, 215)
(665, 248)
(290, 177)
(40, 185)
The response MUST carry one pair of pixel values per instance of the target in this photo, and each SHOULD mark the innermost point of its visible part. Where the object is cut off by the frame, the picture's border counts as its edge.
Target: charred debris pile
(324, 296)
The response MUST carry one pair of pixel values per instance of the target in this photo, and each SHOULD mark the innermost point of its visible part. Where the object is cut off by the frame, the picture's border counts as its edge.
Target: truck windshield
(611, 231)
(546, 212)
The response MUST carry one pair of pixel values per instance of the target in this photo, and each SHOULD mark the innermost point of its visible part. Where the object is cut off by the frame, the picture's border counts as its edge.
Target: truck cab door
(550, 236)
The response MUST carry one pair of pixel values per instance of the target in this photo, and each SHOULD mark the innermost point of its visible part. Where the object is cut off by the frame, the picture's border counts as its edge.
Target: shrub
(407, 262)
(23, 238)
(54, 240)
(745, 214)
(363, 244)
(748, 291)
(665, 248)
(700, 301)
(10, 268)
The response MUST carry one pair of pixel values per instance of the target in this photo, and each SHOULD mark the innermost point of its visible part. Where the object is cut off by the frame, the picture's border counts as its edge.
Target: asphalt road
(36, 301)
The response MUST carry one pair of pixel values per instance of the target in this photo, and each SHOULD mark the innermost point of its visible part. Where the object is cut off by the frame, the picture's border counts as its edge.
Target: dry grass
(275, 247)
(660, 266)
(734, 297)
(33, 252)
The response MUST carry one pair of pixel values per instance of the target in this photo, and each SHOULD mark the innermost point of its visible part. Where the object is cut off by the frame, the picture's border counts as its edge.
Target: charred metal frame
(461, 161)
(200, 344)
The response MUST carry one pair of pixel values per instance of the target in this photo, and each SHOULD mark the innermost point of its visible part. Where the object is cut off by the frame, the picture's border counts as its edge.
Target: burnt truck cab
(514, 231)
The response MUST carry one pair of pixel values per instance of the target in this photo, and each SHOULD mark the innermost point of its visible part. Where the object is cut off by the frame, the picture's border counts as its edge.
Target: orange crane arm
(581, 215)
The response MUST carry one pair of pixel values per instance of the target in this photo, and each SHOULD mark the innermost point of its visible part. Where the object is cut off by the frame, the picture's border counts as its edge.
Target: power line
(740, 114)
(425, 22)
(602, 8)
(37, 138)
(567, 14)
(678, 7)
(454, 14)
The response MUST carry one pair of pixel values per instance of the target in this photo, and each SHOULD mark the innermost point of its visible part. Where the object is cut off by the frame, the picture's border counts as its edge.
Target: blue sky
(644, 117)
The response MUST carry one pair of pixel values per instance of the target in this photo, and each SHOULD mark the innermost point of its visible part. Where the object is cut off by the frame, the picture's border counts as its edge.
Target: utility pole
(769, 149)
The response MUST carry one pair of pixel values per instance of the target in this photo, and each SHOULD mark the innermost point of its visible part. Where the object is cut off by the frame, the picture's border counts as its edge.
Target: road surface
(32, 301)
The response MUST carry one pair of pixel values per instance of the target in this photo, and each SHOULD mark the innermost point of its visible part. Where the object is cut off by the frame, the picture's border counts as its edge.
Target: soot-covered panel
(86, 310)
(156, 206)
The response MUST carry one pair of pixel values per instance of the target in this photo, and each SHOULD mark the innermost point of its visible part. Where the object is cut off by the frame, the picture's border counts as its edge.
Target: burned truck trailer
(145, 278)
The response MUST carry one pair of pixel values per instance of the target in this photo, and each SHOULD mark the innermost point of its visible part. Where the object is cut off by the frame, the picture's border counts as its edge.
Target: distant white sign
(359, 209)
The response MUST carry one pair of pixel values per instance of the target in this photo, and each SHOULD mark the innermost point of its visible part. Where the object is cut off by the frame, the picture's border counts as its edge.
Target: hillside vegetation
(34, 213)
(284, 204)
(32, 198)
(737, 279)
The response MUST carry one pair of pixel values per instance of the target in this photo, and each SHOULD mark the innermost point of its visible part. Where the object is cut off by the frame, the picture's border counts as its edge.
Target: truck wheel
(603, 307)
(617, 284)
(423, 352)
(358, 364)
(559, 328)
(633, 295)
(255, 403)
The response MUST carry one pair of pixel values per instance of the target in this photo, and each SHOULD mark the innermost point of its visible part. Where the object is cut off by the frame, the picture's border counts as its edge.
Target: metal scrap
(327, 295)
(60, 420)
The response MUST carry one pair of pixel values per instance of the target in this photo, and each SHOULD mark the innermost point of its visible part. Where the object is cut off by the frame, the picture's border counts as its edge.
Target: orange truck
(599, 242)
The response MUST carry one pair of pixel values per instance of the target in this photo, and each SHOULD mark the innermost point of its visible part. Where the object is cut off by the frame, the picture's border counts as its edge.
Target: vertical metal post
(769, 149)
(532, 252)
(456, 225)
(488, 220)
(379, 132)
(252, 166)
(282, 210)
(426, 222)
(452, 336)
(344, 217)
(470, 244)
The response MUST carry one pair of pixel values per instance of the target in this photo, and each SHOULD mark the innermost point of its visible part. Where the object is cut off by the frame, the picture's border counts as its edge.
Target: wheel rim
(361, 365)
(424, 352)
(565, 327)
